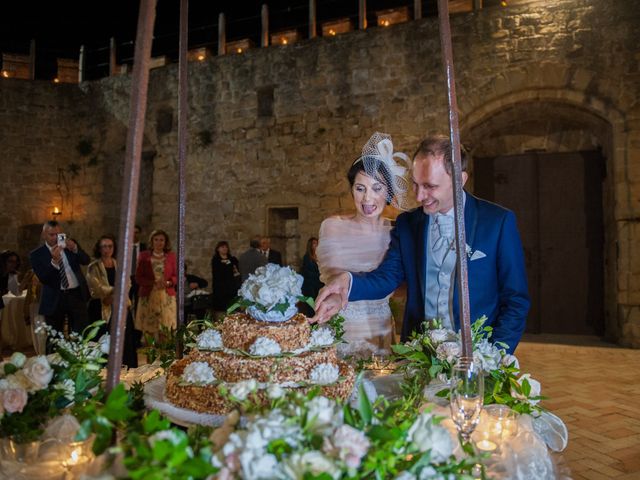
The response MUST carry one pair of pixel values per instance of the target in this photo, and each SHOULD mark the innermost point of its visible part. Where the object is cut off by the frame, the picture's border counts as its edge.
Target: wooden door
(557, 199)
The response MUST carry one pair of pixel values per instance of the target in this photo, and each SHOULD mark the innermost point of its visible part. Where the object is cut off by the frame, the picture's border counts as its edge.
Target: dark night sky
(60, 27)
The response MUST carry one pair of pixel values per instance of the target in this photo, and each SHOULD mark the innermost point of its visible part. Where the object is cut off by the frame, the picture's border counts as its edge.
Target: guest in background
(156, 275)
(64, 288)
(9, 272)
(251, 259)
(101, 277)
(311, 274)
(225, 277)
(272, 256)
(136, 248)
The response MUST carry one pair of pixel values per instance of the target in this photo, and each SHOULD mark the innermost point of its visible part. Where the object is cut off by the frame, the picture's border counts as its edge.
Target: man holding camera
(64, 288)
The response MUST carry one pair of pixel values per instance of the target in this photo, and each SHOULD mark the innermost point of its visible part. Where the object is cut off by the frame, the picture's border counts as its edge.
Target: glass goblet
(467, 397)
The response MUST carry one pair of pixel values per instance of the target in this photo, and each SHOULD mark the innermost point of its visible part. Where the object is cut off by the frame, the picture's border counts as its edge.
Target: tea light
(486, 445)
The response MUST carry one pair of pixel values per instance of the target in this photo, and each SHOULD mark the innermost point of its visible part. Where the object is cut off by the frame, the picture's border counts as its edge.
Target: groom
(422, 253)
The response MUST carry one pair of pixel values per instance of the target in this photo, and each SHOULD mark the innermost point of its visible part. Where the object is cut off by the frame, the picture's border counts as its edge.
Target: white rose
(38, 371)
(322, 337)
(14, 400)
(18, 359)
(323, 414)
(209, 339)
(439, 335)
(348, 444)
(275, 391)
(448, 351)
(241, 390)
(264, 346)
(508, 359)
(315, 463)
(199, 373)
(324, 374)
(428, 436)
(535, 389)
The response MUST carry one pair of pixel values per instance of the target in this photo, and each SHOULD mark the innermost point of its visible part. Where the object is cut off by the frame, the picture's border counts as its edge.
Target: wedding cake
(261, 352)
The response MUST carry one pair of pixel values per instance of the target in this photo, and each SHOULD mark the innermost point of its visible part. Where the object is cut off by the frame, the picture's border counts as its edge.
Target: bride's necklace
(157, 255)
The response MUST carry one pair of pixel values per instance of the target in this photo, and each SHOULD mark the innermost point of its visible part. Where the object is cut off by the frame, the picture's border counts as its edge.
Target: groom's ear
(465, 177)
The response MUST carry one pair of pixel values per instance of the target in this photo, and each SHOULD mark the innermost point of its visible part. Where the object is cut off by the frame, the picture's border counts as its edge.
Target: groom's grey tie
(443, 236)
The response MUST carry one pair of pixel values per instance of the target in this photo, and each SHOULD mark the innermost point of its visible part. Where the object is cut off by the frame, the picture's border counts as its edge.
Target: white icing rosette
(264, 347)
(324, 374)
(199, 373)
(209, 339)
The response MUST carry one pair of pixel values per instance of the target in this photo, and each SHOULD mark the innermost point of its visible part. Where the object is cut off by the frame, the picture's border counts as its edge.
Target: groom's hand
(332, 298)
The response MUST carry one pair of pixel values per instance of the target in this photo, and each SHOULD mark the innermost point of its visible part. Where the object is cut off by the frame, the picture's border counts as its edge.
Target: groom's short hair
(437, 145)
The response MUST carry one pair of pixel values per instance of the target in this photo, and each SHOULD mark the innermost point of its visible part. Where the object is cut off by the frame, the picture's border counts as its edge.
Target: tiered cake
(262, 357)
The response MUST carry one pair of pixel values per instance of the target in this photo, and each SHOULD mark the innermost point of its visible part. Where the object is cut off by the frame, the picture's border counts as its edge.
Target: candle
(486, 445)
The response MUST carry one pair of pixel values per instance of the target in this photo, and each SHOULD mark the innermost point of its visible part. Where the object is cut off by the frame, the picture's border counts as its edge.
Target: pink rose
(14, 400)
(38, 371)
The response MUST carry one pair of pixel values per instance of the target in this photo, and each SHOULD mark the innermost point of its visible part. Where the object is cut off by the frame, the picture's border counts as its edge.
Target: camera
(62, 240)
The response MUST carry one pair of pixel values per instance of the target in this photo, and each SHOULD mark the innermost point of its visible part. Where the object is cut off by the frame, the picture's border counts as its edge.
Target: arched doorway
(545, 161)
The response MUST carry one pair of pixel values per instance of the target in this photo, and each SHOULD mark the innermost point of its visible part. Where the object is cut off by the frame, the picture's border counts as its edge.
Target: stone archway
(519, 131)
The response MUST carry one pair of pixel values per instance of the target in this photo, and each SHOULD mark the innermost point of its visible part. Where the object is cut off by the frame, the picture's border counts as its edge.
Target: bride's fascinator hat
(392, 168)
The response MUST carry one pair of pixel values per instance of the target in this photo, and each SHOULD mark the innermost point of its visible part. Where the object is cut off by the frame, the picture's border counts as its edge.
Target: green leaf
(364, 405)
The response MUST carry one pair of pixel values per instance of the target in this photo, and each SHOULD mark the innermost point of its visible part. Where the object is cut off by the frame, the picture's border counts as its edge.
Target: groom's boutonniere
(474, 254)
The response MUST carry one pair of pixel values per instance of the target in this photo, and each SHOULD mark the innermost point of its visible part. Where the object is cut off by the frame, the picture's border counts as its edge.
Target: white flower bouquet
(271, 293)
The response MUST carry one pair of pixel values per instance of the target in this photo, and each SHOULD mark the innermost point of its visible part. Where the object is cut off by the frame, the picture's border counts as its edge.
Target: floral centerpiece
(271, 293)
(426, 361)
(37, 389)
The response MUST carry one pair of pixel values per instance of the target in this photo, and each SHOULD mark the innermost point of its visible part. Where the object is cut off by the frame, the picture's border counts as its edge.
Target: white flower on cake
(322, 337)
(324, 374)
(264, 346)
(275, 391)
(199, 373)
(428, 436)
(241, 390)
(269, 287)
(535, 389)
(210, 339)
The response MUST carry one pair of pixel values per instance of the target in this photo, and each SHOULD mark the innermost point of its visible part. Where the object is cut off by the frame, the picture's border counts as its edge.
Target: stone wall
(279, 127)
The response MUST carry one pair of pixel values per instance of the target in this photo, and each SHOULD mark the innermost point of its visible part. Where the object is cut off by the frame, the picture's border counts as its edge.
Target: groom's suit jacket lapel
(419, 225)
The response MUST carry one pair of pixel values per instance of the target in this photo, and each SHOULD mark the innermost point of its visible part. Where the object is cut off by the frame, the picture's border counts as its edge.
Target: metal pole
(112, 57)
(222, 35)
(264, 41)
(81, 64)
(362, 14)
(182, 158)
(417, 9)
(129, 199)
(312, 19)
(458, 205)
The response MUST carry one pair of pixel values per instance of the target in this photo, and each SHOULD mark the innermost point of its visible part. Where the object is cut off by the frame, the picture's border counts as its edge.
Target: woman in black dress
(225, 277)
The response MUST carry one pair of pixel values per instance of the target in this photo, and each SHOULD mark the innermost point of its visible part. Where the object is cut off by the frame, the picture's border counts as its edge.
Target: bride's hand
(332, 298)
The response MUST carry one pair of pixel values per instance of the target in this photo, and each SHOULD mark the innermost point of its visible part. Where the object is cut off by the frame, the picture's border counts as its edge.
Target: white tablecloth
(14, 332)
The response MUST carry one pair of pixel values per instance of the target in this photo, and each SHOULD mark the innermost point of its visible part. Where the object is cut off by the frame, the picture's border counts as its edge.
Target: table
(14, 332)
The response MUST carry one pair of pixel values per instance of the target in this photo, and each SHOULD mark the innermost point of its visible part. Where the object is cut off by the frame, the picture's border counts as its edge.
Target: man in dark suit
(250, 260)
(272, 256)
(64, 288)
(422, 253)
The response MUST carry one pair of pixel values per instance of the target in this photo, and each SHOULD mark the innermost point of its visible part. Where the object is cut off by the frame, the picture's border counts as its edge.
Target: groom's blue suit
(497, 281)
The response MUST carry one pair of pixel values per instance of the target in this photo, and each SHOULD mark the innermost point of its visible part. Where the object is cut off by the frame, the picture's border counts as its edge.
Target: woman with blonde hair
(157, 277)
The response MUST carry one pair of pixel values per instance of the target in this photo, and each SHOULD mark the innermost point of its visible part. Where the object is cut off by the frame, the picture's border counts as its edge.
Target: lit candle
(486, 445)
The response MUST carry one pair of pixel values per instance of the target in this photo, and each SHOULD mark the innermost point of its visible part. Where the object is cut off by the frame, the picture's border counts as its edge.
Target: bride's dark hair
(380, 170)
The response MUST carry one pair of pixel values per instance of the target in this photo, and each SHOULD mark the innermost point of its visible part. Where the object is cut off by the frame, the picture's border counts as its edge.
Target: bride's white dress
(346, 245)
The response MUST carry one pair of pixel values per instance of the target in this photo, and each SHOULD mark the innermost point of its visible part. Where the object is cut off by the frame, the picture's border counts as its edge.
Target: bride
(358, 242)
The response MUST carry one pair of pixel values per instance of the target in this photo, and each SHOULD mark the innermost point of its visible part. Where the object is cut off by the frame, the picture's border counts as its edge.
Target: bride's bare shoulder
(333, 224)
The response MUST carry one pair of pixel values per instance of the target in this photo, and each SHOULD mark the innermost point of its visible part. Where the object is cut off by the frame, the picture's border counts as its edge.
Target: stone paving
(596, 391)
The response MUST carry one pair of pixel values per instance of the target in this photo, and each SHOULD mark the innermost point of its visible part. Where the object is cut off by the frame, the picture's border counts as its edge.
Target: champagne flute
(467, 397)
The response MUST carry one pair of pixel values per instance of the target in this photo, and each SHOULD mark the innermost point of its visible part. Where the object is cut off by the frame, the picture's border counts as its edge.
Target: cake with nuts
(261, 352)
